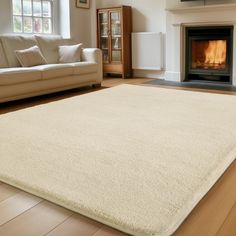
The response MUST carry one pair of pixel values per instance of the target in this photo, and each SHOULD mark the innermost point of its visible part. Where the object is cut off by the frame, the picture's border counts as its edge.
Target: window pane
(47, 26)
(32, 16)
(27, 8)
(115, 18)
(27, 24)
(37, 25)
(47, 8)
(17, 24)
(37, 8)
(16, 4)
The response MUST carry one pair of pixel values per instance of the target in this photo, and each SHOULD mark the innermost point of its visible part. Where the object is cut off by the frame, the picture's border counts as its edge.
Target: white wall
(148, 15)
(6, 18)
(82, 21)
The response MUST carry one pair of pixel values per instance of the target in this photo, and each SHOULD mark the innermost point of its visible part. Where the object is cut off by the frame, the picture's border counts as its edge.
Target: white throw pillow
(70, 53)
(30, 57)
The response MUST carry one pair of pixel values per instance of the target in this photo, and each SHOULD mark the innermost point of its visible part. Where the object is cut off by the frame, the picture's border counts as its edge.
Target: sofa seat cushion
(11, 43)
(18, 75)
(51, 71)
(82, 68)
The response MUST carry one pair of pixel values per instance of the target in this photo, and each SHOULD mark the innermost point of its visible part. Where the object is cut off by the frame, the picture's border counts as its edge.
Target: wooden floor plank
(7, 191)
(229, 226)
(211, 212)
(37, 221)
(16, 205)
(76, 225)
(107, 231)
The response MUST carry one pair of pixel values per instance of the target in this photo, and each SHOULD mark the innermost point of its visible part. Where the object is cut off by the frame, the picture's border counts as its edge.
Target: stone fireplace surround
(180, 18)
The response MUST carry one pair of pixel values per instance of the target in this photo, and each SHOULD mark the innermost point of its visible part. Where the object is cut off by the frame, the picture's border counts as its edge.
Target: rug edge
(81, 212)
(208, 185)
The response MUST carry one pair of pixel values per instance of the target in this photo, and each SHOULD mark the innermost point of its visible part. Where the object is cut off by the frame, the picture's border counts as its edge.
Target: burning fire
(209, 54)
(216, 52)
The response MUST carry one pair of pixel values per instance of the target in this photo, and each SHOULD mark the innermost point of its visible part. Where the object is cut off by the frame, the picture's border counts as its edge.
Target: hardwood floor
(22, 214)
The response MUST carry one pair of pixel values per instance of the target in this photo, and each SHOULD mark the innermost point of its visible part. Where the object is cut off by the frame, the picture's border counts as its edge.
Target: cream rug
(135, 158)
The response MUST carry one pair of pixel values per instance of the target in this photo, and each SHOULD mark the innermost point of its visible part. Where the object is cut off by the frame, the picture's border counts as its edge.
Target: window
(32, 16)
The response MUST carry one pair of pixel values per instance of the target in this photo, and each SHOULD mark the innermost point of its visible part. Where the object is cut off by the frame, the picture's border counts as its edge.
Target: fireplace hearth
(209, 53)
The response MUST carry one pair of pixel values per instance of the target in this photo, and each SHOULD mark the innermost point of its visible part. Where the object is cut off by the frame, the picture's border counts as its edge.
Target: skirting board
(173, 76)
(234, 80)
(153, 74)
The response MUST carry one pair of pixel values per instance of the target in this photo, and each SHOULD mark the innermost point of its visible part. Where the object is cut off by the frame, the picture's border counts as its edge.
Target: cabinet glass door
(116, 39)
(104, 35)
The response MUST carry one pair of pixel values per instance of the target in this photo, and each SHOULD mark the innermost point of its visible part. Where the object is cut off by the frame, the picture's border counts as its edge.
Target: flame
(209, 54)
(216, 52)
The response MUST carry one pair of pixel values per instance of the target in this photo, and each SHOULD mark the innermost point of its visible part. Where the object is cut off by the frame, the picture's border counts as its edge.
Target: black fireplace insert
(209, 54)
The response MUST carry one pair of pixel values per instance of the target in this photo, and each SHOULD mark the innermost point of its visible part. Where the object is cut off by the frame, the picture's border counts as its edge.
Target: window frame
(52, 18)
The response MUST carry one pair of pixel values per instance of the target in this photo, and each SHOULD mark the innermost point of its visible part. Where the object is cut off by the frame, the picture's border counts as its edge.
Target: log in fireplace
(209, 54)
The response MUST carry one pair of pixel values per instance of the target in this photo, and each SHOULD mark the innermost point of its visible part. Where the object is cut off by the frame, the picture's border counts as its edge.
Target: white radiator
(147, 51)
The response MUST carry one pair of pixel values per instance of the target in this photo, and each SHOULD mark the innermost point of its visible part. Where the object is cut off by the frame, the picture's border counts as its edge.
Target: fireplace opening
(209, 54)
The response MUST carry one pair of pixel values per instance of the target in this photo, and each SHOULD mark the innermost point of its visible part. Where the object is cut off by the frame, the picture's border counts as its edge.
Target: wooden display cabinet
(114, 27)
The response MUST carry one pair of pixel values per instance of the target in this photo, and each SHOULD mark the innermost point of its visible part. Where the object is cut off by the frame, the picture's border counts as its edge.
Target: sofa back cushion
(3, 59)
(49, 47)
(11, 43)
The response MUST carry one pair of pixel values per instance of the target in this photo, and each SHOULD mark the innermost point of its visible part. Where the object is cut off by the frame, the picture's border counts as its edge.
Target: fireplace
(209, 53)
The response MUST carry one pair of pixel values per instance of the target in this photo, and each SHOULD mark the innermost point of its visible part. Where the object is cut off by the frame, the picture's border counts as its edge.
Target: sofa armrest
(94, 55)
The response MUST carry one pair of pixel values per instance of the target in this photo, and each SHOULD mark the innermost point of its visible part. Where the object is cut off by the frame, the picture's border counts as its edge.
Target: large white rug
(135, 158)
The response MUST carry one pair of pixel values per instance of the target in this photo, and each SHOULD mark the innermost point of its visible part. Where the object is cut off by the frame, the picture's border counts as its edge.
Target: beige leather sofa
(18, 82)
